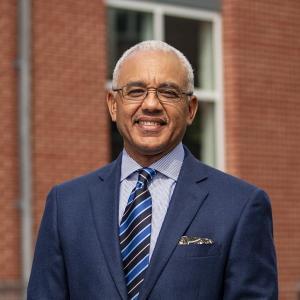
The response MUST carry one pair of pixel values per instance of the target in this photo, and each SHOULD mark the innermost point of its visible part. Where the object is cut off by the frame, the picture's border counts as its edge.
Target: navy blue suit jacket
(77, 253)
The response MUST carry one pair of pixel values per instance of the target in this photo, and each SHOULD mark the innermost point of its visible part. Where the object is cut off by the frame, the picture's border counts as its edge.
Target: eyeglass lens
(138, 93)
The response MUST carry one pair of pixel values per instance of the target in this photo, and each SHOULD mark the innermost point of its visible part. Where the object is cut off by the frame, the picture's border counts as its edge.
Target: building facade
(245, 55)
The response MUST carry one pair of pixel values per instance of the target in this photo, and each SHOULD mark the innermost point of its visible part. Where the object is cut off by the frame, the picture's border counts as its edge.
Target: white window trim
(159, 10)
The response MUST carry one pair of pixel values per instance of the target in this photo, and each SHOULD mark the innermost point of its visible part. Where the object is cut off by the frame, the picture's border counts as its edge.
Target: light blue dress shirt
(161, 188)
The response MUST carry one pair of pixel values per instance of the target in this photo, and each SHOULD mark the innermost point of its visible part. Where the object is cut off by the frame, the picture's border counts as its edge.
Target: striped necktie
(135, 231)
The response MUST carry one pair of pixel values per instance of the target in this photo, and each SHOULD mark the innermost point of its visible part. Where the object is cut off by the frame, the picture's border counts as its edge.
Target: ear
(192, 109)
(112, 105)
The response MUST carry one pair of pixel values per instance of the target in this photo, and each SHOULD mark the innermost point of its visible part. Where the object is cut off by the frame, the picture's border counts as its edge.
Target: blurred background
(56, 62)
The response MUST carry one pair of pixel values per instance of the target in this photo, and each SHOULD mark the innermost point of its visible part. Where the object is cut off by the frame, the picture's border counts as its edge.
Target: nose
(151, 102)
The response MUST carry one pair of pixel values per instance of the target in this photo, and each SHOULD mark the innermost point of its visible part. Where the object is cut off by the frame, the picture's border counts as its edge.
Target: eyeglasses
(137, 93)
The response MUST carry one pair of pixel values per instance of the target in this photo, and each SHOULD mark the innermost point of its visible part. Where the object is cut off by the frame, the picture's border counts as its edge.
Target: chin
(150, 150)
(154, 149)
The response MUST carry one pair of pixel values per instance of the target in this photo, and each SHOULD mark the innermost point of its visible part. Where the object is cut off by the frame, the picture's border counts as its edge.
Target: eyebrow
(169, 85)
(136, 83)
(166, 84)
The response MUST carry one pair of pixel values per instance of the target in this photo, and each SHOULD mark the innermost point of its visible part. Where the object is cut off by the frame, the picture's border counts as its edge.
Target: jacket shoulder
(218, 182)
(86, 180)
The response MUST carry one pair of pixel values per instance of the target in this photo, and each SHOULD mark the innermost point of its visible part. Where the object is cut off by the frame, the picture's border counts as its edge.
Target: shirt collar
(169, 165)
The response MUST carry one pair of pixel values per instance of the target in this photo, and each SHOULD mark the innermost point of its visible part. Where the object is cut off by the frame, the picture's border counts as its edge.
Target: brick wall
(70, 128)
(9, 213)
(70, 133)
(262, 75)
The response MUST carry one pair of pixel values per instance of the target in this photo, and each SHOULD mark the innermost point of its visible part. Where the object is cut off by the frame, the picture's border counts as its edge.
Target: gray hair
(156, 45)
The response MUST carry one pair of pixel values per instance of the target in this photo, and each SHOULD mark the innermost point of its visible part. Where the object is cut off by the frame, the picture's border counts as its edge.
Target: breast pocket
(197, 250)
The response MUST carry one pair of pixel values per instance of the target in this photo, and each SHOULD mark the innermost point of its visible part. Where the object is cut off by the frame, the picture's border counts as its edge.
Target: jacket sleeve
(48, 278)
(251, 271)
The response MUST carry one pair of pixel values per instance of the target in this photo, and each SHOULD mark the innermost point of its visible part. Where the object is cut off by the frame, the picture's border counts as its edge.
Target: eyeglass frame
(181, 93)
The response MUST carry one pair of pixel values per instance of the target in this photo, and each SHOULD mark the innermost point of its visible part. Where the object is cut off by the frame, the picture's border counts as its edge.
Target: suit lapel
(105, 206)
(185, 203)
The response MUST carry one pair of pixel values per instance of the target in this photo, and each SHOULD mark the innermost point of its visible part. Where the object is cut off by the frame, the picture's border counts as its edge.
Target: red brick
(70, 125)
(262, 73)
(9, 177)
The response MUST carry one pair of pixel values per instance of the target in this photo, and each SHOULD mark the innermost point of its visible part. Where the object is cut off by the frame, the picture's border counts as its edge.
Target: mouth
(150, 124)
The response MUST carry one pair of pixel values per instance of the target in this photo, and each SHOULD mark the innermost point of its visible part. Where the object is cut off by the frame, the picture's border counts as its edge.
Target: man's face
(150, 128)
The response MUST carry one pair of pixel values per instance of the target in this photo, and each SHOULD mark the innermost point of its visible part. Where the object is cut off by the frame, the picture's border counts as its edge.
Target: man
(156, 223)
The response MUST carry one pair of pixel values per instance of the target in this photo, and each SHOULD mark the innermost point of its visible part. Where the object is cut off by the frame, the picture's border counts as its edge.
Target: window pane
(194, 39)
(200, 136)
(126, 28)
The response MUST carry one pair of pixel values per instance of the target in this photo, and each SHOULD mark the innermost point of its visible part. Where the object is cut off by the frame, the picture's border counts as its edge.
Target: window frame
(159, 10)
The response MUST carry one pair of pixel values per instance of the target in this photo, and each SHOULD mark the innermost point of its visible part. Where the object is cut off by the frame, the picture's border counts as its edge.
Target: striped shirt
(161, 188)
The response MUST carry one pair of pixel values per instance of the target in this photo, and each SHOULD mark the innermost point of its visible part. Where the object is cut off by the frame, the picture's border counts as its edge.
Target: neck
(147, 159)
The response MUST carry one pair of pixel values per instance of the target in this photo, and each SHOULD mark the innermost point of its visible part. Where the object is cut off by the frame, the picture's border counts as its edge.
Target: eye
(169, 93)
(135, 92)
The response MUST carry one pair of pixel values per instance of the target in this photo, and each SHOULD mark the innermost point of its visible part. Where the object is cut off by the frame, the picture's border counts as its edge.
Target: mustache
(162, 120)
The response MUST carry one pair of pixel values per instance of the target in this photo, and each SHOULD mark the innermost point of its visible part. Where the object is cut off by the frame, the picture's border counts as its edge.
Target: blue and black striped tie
(135, 232)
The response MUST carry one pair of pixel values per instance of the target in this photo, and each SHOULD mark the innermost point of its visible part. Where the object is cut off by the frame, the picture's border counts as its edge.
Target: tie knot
(146, 175)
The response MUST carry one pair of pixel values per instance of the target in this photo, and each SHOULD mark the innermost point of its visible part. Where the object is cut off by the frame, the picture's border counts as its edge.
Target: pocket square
(193, 240)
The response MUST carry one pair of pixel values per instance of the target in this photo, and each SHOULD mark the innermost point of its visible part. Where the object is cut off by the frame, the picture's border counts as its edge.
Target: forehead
(153, 68)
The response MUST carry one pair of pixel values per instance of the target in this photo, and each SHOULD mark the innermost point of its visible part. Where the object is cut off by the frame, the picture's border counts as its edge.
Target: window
(199, 38)
(126, 28)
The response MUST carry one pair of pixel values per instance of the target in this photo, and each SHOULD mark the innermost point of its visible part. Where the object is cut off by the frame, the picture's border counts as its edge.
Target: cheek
(127, 111)
(124, 116)
(179, 116)
(121, 113)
